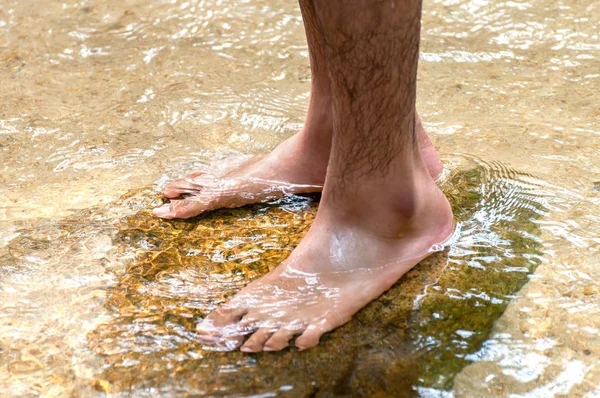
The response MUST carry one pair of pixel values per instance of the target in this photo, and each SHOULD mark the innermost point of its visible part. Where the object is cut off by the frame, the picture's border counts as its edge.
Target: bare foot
(346, 260)
(291, 168)
(296, 166)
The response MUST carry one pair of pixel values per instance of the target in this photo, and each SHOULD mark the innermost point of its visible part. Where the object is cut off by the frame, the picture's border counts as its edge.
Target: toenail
(162, 211)
(246, 349)
(267, 348)
(207, 339)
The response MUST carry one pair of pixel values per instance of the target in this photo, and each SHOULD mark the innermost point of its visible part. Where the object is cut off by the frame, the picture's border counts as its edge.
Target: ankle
(400, 202)
(315, 138)
(393, 207)
(303, 157)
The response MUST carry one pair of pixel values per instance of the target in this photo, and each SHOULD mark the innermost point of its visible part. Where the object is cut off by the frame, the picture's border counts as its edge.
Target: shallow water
(101, 99)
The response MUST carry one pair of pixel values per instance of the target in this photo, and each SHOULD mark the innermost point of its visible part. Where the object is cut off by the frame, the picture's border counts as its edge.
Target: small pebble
(588, 290)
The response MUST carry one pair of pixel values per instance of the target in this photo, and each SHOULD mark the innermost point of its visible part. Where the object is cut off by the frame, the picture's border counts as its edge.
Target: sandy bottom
(102, 99)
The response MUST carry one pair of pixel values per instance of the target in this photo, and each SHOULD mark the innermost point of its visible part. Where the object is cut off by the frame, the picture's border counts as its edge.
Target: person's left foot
(296, 166)
(288, 170)
(348, 258)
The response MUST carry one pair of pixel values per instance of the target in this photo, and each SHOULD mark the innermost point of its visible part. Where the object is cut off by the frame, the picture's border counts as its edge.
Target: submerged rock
(416, 335)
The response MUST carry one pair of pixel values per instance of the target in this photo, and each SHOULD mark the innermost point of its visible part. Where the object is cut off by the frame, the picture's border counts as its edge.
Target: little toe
(280, 339)
(256, 342)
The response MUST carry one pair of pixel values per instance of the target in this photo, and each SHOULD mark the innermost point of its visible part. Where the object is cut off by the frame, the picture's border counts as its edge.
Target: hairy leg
(381, 212)
(298, 165)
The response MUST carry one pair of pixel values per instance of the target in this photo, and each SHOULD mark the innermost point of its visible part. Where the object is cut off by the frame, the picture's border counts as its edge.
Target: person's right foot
(296, 166)
(357, 248)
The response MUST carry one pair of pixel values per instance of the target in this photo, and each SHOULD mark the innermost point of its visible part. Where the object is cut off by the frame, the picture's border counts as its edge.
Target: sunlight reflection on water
(102, 99)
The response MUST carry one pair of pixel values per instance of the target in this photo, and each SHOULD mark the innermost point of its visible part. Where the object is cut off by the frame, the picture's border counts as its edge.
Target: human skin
(296, 166)
(380, 212)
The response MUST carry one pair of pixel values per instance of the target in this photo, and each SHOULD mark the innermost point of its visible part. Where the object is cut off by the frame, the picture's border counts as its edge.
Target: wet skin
(341, 265)
(381, 211)
(294, 167)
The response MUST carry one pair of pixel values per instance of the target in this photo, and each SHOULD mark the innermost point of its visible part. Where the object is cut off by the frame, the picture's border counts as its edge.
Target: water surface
(103, 102)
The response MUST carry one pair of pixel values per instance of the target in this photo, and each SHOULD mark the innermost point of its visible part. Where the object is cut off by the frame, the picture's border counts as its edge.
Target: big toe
(219, 323)
(185, 208)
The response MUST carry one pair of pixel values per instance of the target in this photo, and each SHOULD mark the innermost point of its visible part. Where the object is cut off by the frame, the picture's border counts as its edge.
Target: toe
(186, 208)
(191, 183)
(256, 342)
(279, 340)
(230, 343)
(309, 338)
(226, 315)
(315, 330)
(180, 187)
(195, 174)
(219, 323)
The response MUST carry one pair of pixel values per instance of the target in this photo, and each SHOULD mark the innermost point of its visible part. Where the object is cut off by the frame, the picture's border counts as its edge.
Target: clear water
(102, 99)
